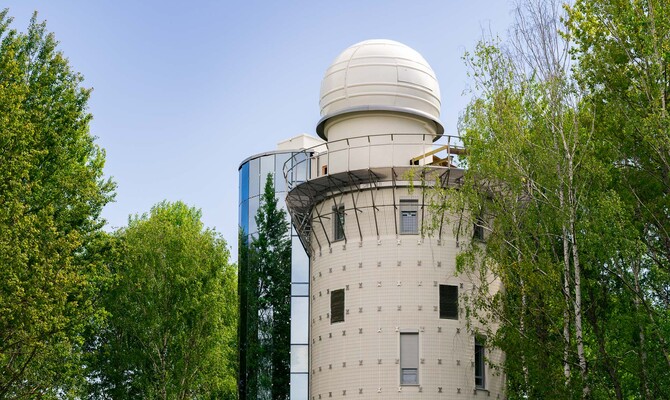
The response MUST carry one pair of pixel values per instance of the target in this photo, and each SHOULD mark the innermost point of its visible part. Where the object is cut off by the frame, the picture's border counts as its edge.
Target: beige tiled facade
(391, 286)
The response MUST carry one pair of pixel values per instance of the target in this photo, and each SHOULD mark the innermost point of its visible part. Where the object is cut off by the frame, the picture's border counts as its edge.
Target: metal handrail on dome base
(309, 182)
(299, 168)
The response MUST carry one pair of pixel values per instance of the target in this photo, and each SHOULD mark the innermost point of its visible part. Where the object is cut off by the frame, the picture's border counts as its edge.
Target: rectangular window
(480, 354)
(338, 222)
(409, 358)
(478, 230)
(409, 218)
(448, 302)
(337, 306)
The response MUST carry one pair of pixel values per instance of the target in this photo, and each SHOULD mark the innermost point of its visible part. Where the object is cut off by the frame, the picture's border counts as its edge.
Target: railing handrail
(453, 142)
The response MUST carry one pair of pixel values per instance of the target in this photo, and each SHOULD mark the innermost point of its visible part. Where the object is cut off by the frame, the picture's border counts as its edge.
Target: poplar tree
(271, 261)
(51, 194)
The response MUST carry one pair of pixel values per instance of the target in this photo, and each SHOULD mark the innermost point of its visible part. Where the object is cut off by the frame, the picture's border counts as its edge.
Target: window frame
(478, 230)
(480, 362)
(340, 312)
(404, 361)
(408, 206)
(444, 312)
(338, 223)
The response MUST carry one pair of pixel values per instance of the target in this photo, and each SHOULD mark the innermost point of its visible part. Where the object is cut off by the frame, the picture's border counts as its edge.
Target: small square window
(409, 217)
(480, 363)
(338, 223)
(409, 358)
(336, 306)
(448, 302)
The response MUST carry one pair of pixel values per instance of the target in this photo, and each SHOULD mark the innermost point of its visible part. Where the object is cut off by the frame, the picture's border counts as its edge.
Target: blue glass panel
(244, 216)
(300, 289)
(299, 358)
(253, 209)
(299, 386)
(299, 319)
(280, 182)
(267, 167)
(254, 177)
(244, 182)
(299, 262)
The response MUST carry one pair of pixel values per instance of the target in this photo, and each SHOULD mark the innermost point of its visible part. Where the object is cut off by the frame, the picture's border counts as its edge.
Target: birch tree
(568, 142)
(542, 182)
(623, 50)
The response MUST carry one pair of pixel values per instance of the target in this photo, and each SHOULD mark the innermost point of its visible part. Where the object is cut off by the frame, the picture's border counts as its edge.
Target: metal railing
(363, 152)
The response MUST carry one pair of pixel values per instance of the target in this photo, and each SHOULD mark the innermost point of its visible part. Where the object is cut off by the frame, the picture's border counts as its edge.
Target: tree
(565, 170)
(173, 312)
(51, 196)
(623, 49)
(267, 291)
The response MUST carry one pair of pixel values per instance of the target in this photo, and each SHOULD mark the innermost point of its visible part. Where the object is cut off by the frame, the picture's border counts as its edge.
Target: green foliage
(173, 312)
(51, 195)
(265, 291)
(623, 50)
(567, 166)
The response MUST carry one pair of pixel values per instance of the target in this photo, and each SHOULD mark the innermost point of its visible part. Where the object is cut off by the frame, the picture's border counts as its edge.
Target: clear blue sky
(185, 91)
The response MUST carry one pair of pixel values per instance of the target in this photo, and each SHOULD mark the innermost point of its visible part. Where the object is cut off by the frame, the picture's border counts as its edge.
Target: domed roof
(380, 75)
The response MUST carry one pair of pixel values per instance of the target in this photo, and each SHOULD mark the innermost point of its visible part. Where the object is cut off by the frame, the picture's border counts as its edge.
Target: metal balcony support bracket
(395, 203)
(444, 181)
(423, 198)
(325, 232)
(352, 183)
(372, 195)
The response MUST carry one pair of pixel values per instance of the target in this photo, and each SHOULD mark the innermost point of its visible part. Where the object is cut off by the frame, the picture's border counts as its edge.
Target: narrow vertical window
(338, 222)
(478, 230)
(480, 354)
(409, 218)
(409, 358)
(337, 306)
(448, 302)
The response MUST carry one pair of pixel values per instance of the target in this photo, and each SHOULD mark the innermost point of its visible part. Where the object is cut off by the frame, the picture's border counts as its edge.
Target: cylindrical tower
(386, 307)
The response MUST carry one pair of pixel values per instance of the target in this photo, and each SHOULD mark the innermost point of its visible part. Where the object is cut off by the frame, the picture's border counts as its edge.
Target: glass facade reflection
(252, 174)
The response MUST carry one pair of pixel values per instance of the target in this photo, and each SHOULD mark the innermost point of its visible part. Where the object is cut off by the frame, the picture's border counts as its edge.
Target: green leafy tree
(51, 194)
(565, 171)
(268, 303)
(623, 49)
(173, 312)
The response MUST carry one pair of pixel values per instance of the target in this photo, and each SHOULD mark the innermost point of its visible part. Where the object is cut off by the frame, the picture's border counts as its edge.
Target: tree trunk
(642, 352)
(579, 331)
(566, 282)
(566, 310)
(600, 338)
(522, 326)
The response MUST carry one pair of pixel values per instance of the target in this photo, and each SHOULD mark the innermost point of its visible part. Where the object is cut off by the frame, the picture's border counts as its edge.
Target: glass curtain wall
(254, 341)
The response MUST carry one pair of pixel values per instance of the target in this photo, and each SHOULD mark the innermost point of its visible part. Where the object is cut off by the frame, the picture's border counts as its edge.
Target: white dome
(380, 75)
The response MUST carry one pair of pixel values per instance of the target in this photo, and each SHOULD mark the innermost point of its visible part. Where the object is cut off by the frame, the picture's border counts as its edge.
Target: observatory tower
(386, 315)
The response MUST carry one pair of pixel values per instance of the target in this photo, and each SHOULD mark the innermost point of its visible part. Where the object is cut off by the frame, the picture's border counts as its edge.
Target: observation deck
(349, 166)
